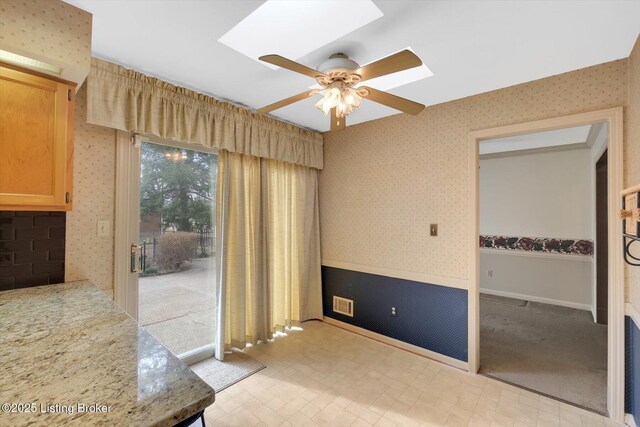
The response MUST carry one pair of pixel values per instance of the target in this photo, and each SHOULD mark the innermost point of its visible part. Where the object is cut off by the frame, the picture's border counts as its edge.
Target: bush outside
(176, 249)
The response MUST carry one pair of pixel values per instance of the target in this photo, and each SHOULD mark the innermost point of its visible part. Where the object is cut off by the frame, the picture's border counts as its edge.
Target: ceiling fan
(340, 78)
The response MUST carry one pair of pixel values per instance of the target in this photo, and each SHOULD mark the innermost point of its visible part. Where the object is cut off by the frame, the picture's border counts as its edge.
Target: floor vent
(343, 306)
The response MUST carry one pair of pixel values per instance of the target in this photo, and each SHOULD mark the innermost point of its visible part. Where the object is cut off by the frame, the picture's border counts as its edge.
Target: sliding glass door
(176, 252)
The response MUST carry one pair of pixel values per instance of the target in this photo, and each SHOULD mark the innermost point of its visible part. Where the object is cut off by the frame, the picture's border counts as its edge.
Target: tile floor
(326, 376)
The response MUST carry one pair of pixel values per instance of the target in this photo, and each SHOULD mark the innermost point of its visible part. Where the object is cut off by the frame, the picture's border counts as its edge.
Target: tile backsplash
(31, 249)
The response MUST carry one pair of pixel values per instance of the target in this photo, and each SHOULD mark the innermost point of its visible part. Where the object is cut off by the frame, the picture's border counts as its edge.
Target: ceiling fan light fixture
(339, 81)
(343, 99)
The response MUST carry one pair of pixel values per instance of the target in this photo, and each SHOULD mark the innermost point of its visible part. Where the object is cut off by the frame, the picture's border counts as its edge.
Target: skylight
(295, 28)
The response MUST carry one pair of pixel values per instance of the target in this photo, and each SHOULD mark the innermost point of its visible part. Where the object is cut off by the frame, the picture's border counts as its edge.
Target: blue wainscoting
(428, 316)
(632, 369)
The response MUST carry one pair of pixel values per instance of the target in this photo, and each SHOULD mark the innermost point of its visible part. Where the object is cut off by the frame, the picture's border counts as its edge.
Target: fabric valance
(131, 101)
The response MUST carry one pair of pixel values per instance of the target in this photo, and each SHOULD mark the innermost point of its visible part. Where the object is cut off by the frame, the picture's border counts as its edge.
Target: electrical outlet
(490, 273)
(433, 229)
(394, 313)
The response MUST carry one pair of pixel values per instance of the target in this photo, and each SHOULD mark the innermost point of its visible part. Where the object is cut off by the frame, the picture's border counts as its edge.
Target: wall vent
(343, 306)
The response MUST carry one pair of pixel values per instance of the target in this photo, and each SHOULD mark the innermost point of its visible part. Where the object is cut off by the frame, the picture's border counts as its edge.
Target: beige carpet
(220, 375)
(553, 350)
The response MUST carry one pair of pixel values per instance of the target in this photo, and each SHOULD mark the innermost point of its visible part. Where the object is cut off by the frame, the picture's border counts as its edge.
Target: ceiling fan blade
(337, 123)
(287, 101)
(393, 101)
(291, 65)
(402, 60)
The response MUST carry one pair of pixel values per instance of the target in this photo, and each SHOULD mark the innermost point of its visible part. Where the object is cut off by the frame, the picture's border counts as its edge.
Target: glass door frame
(127, 225)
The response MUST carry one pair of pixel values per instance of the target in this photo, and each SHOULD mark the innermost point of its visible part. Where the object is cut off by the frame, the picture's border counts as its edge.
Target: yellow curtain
(268, 240)
(268, 246)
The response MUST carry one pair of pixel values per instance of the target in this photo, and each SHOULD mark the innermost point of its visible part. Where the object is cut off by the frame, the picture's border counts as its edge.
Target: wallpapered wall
(385, 222)
(94, 172)
(385, 181)
(632, 158)
(53, 31)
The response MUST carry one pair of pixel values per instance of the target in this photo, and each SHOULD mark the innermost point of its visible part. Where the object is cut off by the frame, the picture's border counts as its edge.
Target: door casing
(615, 345)
(127, 224)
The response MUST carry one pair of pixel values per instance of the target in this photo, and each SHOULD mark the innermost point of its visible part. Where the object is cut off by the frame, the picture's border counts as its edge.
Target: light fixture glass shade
(175, 155)
(344, 100)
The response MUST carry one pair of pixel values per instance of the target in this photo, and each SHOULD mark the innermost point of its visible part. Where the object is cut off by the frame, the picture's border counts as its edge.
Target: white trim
(450, 282)
(127, 211)
(594, 228)
(455, 363)
(561, 303)
(125, 289)
(631, 311)
(615, 347)
(473, 243)
(120, 227)
(198, 355)
(193, 146)
(221, 238)
(552, 255)
(629, 420)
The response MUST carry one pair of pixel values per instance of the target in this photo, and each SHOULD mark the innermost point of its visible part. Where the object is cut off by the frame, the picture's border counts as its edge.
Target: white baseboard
(561, 303)
(629, 420)
(399, 344)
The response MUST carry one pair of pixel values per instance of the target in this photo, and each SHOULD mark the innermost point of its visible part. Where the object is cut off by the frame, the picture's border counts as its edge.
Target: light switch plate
(103, 228)
(433, 229)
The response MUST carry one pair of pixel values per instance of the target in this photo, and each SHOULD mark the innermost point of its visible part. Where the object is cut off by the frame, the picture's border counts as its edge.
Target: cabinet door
(36, 140)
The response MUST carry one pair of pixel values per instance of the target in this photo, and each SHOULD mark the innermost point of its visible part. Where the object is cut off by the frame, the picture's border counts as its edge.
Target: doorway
(537, 286)
(177, 282)
(165, 220)
(615, 327)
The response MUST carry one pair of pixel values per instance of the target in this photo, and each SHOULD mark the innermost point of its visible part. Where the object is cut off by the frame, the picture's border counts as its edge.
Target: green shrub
(175, 249)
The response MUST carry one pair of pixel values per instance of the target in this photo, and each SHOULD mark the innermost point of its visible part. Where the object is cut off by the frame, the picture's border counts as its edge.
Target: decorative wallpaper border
(538, 244)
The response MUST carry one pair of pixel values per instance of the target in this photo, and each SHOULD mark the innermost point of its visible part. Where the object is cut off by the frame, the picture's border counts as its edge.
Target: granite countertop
(64, 348)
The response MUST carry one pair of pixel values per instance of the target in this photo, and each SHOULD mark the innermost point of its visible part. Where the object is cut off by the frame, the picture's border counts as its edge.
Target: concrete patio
(179, 308)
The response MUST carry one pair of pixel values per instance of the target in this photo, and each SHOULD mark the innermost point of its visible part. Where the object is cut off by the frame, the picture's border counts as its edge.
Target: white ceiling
(470, 46)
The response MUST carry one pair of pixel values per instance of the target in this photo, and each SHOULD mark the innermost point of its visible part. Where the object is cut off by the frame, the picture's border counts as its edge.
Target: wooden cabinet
(36, 141)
